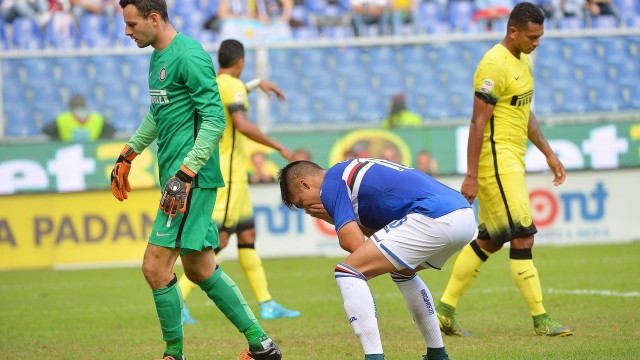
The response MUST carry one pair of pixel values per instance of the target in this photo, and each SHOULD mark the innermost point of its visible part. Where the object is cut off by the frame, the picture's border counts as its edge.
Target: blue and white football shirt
(375, 192)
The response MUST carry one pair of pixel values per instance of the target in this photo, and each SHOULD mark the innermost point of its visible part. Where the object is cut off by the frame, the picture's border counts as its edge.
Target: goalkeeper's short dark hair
(523, 13)
(230, 52)
(146, 7)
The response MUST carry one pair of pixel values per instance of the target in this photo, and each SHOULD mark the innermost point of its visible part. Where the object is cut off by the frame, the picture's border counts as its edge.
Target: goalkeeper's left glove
(120, 173)
(176, 192)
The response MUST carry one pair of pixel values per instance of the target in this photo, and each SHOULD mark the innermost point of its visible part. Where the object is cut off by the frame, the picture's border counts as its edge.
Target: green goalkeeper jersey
(186, 116)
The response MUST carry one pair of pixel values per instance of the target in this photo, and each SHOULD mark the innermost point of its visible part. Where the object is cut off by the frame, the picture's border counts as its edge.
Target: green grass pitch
(109, 313)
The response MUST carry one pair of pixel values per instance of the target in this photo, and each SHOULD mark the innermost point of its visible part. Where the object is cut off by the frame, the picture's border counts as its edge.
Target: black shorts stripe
(476, 248)
(183, 221)
(497, 174)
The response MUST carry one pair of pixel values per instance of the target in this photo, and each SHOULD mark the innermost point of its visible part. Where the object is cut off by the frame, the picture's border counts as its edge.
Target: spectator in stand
(561, 9)
(391, 153)
(399, 116)
(301, 154)
(490, 11)
(264, 171)
(79, 124)
(34, 9)
(403, 12)
(106, 7)
(370, 12)
(426, 163)
(251, 20)
(597, 8)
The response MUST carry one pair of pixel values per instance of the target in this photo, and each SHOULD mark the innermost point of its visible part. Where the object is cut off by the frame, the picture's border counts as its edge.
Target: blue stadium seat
(306, 59)
(21, 122)
(606, 97)
(461, 101)
(49, 109)
(549, 52)
(38, 70)
(594, 74)
(389, 84)
(544, 102)
(383, 58)
(429, 12)
(570, 23)
(572, 99)
(14, 95)
(11, 71)
(107, 68)
(94, 31)
(349, 57)
(333, 109)
(125, 118)
(369, 109)
(438, 106)
(186, 7)
(4, 42)
(613, 49)
(26, 34)
(580, 51)
(280, 59)
(300, 111)
(61, 32)
(472, 52)
(460, 12)
(635, 96)
(192, 22)
(627, 73)
(604, 22)
(138, 68)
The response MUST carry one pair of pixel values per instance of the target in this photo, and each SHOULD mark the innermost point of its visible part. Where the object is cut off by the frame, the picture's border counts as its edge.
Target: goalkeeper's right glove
(120, 173)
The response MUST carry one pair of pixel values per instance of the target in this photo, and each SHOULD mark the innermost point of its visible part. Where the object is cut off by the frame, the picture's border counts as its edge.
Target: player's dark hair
(146, 7)
(230, 52)
(524, 13)
(291, 173)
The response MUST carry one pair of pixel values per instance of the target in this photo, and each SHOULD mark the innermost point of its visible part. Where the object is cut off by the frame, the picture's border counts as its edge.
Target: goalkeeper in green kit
(186, 118)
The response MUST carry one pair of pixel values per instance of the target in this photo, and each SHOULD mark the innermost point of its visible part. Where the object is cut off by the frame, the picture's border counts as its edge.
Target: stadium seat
(349, 57)
(606, 97)
(460, 12)
(94, 31)
(125, 118)
(438, 106)
(572, 99)
(472, 52)
(4, 42)
(49, 109)
(544, 102)
(370, 109)
(21, 122)
(461, 101)
(333, 109)
(62, 32)
(192, 22)
(613, 49)
(38, 70)
(305, 59)
(186, 7)
(635, 96)
(604, 22)
(550, 52)
(627, 73)
(571, 23)
(383, 58)
(297, 112)
(580, 51)
(593, 74)
(10, 71)
(106, 68)
(26, 34)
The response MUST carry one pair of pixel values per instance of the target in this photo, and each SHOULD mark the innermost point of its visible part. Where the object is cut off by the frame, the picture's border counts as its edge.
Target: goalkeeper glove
(176, 192)
(120, 174)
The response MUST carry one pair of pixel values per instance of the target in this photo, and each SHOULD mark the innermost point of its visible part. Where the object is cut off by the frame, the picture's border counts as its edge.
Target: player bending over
(392, 219)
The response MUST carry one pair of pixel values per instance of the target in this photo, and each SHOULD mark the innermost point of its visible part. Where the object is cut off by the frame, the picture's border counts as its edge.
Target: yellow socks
(252, 266)
(525, 275)
(185, 286)
(465, 270)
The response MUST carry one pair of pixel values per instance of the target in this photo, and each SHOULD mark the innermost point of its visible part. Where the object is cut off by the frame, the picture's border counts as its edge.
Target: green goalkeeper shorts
(192, 230)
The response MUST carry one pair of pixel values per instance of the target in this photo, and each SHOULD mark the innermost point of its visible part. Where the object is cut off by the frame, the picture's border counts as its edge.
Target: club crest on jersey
(163, 74)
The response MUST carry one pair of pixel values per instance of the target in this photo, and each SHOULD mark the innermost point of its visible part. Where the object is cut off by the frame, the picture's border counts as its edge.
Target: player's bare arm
(242, 123)
(350, 236)
(538, 139)
(481, 114)
(267, 87)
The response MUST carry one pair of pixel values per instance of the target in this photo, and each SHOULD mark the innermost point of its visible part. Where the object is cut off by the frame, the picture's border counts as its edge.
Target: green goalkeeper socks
(168, 301)
(225, 294)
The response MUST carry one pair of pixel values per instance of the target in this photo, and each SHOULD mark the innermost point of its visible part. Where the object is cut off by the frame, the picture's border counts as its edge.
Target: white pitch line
(594, 292)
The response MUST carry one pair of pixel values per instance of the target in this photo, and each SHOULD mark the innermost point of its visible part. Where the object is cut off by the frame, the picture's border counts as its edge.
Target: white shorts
(418, 240)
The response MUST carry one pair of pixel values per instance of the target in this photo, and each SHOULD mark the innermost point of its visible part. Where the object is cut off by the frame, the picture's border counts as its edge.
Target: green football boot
(545, 325)
(447, 321)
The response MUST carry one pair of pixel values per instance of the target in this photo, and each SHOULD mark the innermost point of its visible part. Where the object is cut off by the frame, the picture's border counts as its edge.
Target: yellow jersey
(506, 82)
(233, 156)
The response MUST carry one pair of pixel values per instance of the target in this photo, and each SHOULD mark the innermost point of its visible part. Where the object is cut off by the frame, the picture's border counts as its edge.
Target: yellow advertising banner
(74, 229)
